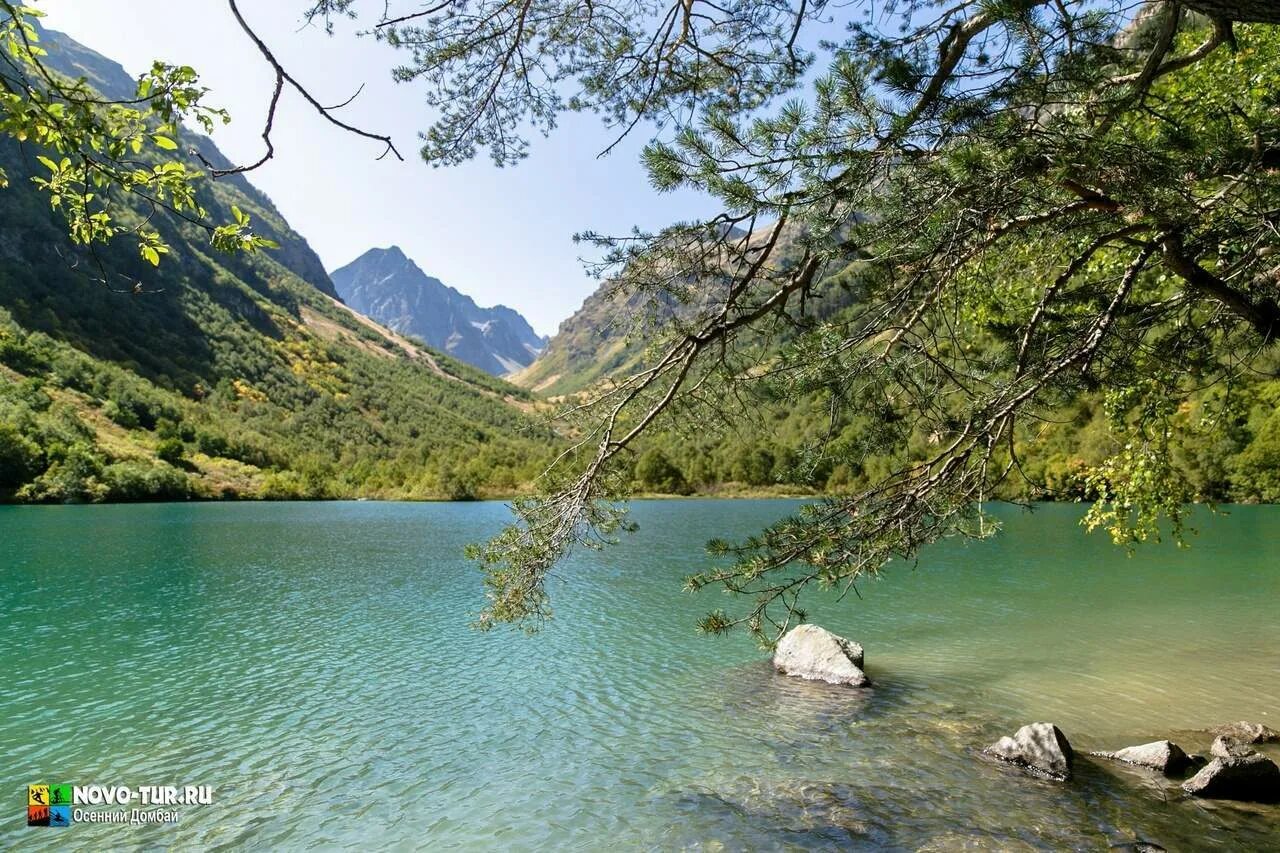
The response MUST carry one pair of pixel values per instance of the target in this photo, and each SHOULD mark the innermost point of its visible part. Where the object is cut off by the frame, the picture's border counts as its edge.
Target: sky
(498, 235)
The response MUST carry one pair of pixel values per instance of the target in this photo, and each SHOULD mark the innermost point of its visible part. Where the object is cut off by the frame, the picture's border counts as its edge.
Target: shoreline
(749, 494)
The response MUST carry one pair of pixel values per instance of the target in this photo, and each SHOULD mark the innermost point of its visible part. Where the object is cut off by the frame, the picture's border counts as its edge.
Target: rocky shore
(1233, 770)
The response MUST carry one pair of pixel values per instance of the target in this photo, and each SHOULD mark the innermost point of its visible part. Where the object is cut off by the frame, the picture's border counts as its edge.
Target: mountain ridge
(388, 286)
(613, 330)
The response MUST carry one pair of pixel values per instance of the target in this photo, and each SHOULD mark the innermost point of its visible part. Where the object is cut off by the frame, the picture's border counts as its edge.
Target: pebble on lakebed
(1236, 771)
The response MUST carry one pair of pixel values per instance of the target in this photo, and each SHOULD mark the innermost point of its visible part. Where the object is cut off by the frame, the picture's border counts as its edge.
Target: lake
(314, 664)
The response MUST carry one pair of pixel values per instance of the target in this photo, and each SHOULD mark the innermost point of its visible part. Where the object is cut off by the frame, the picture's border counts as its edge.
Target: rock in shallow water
(1247, 732)
(1253, 777)
(807, 651)
(1228, 747)
(1162, 755)
(1039, 747)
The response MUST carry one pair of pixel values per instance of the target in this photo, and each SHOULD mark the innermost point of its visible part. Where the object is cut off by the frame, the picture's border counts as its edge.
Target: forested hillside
(216, 375)
(1225, 443)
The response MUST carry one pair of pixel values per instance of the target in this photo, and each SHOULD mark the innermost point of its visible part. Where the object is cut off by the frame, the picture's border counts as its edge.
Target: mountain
(226, 375)
(390, 288)
(602, 338)
(73, 59)
(613, 332)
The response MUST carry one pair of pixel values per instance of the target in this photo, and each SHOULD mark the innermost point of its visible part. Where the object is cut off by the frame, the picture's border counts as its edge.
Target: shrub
(283, 486)
(457, 485)
(754, 466)
(135, 480)
(210, 444)
(125, 416)
(171, 450)
(76, 477)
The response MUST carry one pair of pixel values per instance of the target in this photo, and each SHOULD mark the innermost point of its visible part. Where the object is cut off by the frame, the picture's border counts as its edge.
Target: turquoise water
(314, 664)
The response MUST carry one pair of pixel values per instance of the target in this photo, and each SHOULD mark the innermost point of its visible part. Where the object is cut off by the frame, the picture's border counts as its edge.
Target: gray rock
(1039, 747)
(1162, 755)
(1247, 732)
(807, 651)
(1254, 778)
(1225, 746)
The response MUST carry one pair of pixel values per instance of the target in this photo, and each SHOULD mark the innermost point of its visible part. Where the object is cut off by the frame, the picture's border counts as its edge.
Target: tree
(1035, 200)
(96, 149)
(170, 450)
(93, 147)
(1030, 199)
(754, 466)
(20, 457)
(656, 473)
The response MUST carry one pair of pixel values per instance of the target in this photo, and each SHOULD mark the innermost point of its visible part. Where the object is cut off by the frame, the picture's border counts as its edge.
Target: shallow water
(314, 664)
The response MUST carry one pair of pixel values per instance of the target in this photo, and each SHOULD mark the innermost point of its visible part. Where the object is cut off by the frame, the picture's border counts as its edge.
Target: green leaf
(164, 142)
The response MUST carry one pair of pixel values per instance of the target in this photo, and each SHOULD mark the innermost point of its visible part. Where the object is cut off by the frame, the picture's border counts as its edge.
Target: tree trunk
(1239, 11)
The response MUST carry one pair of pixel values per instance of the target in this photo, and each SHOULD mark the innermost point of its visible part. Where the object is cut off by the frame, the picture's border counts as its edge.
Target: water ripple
(315, 664)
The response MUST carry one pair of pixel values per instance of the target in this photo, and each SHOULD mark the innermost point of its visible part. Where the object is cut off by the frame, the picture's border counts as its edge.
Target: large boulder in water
(1247, 732)
(1041, 748)
(1162, 755)
(807, 651)
(1252, 777)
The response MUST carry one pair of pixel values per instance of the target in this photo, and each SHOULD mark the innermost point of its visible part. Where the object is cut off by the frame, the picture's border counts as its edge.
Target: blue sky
(499, 235)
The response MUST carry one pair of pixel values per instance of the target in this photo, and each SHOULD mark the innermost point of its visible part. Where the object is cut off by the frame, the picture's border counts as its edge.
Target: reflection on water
(314, 664)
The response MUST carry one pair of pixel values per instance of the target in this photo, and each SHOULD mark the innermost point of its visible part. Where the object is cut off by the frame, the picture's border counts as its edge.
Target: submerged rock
(1225, 746)
(1041, 748)
(1247, 732)
(807, 651)
(793, 812)
(950, 842)
(1162, 755)
(1253, 777)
